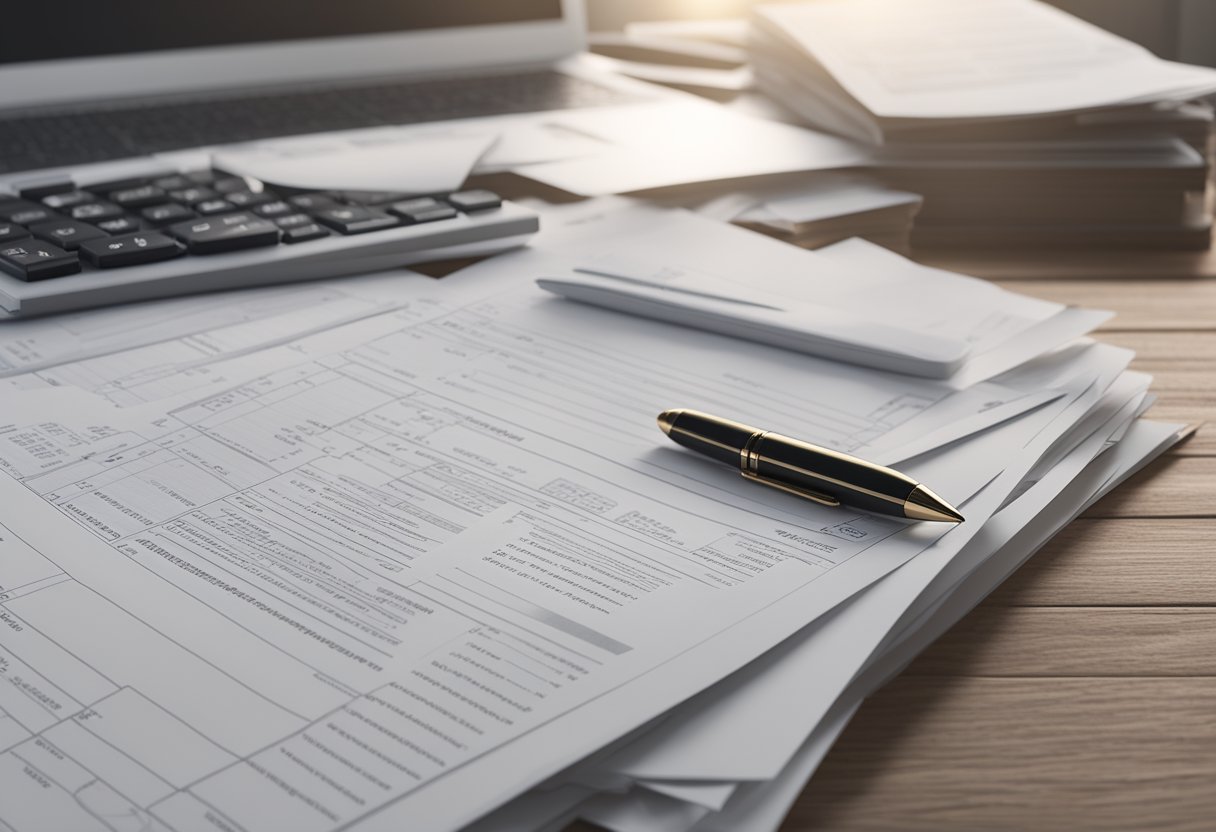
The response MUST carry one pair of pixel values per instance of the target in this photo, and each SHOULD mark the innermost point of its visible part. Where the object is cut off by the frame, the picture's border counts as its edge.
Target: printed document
(452, 552)
(145, 352)
(959, 59)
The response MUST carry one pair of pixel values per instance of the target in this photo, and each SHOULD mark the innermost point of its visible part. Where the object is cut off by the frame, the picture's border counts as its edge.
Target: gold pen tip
(923, 504)
(667, 420)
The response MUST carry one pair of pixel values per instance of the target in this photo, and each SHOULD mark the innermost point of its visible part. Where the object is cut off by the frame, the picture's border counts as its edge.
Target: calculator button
(370, 197)
(278, 208)
(12, 231)
(234, 219)
(173, 183)
(24, 213)
(166, 214)
(67, 234)
(193, 195)
(122, 225)
(354, 219)
(229, 184)
(216, 235)
(293, 220)
(248, 199)
(312, 202)
(423, 209)
(112, 185)
(67, 199)
(304, 233)
(96, 212)
(130, 250)
(31, 260)
(214, 206)
(140, 197)
(476, 200)
(39, 190)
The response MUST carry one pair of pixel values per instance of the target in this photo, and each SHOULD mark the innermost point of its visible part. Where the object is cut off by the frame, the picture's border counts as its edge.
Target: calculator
(66, 246)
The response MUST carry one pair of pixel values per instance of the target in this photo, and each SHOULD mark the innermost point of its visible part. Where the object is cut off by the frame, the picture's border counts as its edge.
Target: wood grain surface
(980, 753)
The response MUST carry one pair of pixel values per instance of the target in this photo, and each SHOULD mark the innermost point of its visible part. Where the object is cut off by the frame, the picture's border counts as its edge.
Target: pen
(805, 470)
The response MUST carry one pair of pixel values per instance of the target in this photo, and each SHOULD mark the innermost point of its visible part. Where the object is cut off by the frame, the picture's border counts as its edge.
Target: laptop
(111, 112)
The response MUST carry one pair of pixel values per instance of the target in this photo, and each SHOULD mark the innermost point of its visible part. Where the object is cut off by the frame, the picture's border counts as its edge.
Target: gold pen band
(750, 459)
(749, 467)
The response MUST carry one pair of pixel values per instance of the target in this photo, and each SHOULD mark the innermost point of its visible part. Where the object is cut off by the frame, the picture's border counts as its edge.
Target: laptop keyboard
(59, 139)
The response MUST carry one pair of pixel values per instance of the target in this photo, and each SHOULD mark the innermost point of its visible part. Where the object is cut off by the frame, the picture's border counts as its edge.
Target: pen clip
(805, 493)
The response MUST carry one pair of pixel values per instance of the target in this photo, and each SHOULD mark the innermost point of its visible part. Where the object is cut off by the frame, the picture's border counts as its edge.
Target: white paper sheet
(735, 79)
(828, 196)
(712, 796)
(533, 142)
(853, 301)
(141, 352)
(677, 143)
(642, 811)
(957, 59)
(731, 31)
(1015, 328)
(411, 165)
(194, 528)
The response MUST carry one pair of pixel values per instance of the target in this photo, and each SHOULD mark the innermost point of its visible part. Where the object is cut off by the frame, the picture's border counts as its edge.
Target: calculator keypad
(49, 230)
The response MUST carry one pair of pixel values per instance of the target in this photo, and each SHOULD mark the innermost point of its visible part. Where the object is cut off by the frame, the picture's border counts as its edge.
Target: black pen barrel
(719, 439)
(820, 469)
(809, 471)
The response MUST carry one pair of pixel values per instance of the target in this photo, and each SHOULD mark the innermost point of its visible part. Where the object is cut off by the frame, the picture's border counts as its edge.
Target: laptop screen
(36, 31)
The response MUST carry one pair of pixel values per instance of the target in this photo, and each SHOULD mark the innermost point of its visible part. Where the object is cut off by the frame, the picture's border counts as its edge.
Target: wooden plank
(1202, 443)
(1138, 304)
(1193, 351)
(1174, 486)
(1075, 641)
(1119, 563)
(1183, 366)
(1036, 264)
(932, 754)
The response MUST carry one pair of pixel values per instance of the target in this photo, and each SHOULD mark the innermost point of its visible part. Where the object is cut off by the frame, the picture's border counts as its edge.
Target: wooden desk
(1082, 694)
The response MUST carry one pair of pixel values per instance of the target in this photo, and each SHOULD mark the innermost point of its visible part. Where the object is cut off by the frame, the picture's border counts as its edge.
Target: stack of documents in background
(814, 217)
(714, 61)
(393, 553)
(816, 210)
(1018, 123)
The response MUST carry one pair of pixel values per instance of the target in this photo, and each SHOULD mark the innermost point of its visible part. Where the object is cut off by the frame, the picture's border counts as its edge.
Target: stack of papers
(818, 209)
(839, 208)
(1017, 122)
(393, 553)
(708, 66)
